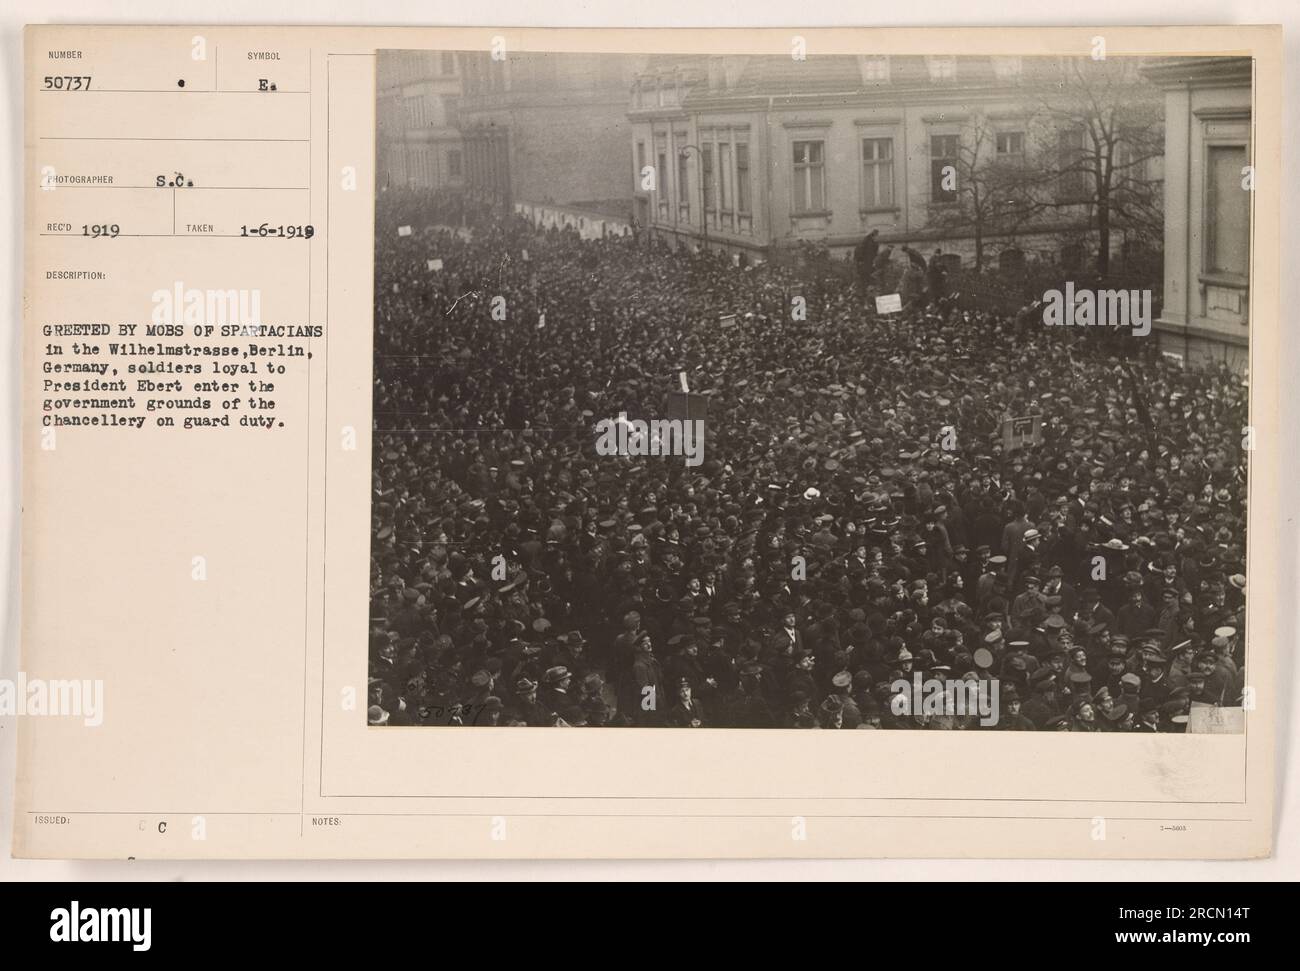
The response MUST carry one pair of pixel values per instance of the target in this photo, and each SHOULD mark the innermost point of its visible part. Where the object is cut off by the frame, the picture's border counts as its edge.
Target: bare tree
(1101, 132)
(985, 181)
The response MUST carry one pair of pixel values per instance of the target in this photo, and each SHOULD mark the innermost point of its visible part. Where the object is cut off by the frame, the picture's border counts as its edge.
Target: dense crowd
(856, 521)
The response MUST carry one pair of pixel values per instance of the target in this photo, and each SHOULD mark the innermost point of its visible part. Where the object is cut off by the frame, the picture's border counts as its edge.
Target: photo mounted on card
(599, 443)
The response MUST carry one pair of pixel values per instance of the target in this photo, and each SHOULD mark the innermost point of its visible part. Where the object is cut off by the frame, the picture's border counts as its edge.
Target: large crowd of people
(856, 522)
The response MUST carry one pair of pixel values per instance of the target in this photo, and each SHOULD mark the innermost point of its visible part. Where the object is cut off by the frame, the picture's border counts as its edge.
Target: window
(453, 164)
(877, 173)
(661, 190)
(706, 162)
(1227, 212)
(742, 177)
(1010, 144)
(1133, 155)
(809, 176)
(724, 175)
(1008, 189)
(942, 68)
(1071, 184)
(874, 67)
(717, 74)
(683, 182)
(640, 163)
(1006, 67)
(943, 167)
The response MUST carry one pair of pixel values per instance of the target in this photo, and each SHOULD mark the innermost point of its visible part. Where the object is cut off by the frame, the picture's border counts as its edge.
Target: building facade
(418, 141)
(547, 128)
(776, 152)
(1206, 315)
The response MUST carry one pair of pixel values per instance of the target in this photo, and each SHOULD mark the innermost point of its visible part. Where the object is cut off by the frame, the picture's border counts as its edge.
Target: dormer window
(874, 67)
(1007, 68)
(942, 68)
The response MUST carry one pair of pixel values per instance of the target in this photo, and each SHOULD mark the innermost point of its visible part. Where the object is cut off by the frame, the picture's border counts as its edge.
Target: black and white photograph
(811, 392)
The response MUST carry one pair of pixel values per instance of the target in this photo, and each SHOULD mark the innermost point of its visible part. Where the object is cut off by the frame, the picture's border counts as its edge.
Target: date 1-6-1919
(285, 232)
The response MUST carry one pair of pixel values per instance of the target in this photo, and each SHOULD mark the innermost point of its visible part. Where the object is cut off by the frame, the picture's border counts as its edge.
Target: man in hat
(1092, 613)
(572, 654)
(1136, 615)
(1117, 718)
(991, 581)
(555, 686)
(624, 647)
(1043, 705)
(975, 568)
(1083, 714)
(747, 707)
(1030, 608)
(841, 688)
(488, 714)
(789, 639)
(647, 682)
(687, 711)
(1010, 717)
(831, 712)
(1155, 669)
(864, 258)
(1013, 534)
(800, 713)
(800, 678)
(1057, 587)
(529, 707)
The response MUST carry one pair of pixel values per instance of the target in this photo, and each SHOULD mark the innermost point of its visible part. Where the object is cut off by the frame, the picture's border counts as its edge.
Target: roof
(707, 80)
(1199, 71)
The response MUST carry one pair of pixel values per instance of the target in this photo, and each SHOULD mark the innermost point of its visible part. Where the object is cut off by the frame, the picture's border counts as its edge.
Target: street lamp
(704, 213)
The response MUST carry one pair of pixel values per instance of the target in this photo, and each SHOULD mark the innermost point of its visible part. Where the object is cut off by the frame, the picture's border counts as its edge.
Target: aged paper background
(223, 686)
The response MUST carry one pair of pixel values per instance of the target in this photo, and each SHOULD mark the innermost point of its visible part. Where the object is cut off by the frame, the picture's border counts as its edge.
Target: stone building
(780, 152)
(418, 143)
(548, 128)
(1208, 199)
